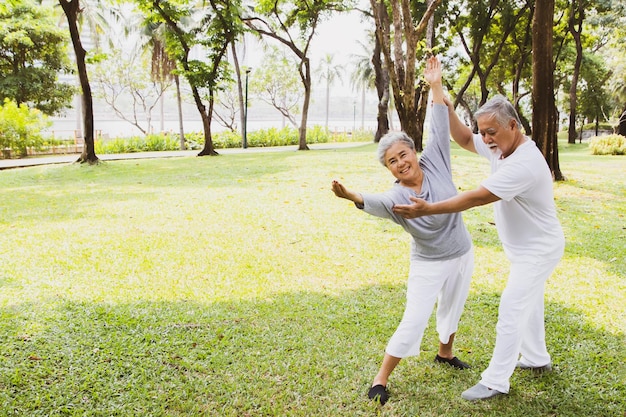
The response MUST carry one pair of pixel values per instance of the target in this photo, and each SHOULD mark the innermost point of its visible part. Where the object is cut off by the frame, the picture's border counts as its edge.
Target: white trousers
(520, 327)
(444, 282)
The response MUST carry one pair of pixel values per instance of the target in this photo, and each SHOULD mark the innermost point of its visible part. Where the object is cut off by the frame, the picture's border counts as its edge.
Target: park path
(71, 158)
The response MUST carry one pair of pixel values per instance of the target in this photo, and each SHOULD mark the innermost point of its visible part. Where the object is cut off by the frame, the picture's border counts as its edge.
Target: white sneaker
(535, 369)
(479, 392)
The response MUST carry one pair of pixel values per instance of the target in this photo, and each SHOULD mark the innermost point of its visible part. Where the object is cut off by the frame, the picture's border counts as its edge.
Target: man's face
(497, 137)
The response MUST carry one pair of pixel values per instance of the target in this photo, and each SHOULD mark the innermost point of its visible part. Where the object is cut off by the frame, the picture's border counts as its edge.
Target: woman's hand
(343, 192)
(432, 72)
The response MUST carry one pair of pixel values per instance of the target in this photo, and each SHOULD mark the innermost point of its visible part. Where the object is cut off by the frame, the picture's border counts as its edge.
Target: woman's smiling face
(401, 160)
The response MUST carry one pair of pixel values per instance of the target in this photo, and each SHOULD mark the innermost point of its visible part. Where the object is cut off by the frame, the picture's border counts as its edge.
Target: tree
(381, 73)
(617, 87)
(363, 77)
(383, 90)
(543, 101)
(594, 103)
(575, 26)
(33, 51)
(329, 73)
(71, 8)
(242, 101)
(123, 77)
(277, 84)
(20, 127)
(485, 30)
(423, 88)
(400, 56)
(293, 24)
(211, 28)
(163, 69)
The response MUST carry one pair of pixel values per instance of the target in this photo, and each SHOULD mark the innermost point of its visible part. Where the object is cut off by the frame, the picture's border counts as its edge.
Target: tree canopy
(487, 47)
(33, 52)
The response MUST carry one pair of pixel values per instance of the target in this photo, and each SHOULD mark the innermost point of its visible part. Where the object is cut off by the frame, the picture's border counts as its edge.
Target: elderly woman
(441, 259)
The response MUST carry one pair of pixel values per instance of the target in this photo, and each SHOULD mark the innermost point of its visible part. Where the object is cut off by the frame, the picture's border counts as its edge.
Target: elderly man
(520, 185)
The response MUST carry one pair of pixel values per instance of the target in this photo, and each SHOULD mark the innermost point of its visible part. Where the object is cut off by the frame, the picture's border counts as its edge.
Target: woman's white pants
(444, 282)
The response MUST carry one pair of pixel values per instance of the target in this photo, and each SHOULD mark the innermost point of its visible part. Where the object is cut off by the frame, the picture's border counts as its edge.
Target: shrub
(601, 126)
(194, 140)
(361, 135)
(226, 139)
(153, 142)
(20, 127)
(120, 145)
(273, 137)
(162, 142)
(318, 134)
(285, 136)
(608, 145)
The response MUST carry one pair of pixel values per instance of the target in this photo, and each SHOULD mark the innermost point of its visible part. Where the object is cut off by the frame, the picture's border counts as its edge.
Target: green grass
(239, 286)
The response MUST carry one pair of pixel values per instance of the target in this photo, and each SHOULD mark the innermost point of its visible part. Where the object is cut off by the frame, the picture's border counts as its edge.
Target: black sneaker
(378, 393)
(454, 362)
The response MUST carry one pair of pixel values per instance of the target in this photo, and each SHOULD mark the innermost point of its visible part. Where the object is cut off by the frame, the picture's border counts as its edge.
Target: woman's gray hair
(389, 140)
(500, 109)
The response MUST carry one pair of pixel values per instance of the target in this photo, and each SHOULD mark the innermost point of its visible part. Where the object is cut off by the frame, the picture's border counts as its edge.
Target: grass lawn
(239, 285)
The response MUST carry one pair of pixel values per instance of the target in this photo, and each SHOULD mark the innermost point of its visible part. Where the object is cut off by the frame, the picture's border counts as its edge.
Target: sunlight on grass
(239, 285)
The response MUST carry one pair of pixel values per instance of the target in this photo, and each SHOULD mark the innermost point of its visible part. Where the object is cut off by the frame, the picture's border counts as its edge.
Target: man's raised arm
(459, 131)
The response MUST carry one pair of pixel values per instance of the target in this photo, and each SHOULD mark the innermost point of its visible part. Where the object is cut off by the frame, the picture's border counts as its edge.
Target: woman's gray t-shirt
(441, 236)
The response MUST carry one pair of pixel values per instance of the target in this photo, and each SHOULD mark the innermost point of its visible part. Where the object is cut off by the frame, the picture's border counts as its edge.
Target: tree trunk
(306, 80)
(577, 14)
(621, 130)
(544, 108)
(381, 75)
(71, 9)
(400, 58)
(179, 102)
(421, 96)
(242, 108)
(423, 90)
(162, 110)
(206, 116)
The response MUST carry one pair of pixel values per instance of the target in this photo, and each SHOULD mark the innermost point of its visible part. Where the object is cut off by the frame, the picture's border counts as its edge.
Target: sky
(339, 37)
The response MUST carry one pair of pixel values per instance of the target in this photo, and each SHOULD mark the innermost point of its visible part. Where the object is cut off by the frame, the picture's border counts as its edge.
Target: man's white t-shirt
(525, 216)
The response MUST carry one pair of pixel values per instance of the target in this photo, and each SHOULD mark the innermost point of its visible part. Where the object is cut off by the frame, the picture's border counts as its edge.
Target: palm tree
(329, 72)
(364, 77)
(163, 67)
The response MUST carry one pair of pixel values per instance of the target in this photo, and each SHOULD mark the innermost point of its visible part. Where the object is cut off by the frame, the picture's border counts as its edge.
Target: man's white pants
(520, 327)
(445, 282)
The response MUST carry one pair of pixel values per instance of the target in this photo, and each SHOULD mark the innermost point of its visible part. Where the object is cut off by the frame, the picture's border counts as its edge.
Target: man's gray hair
(389, 140)
(500, 109)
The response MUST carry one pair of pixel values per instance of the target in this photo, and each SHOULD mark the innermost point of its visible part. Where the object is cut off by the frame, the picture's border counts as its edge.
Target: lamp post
(245, 113)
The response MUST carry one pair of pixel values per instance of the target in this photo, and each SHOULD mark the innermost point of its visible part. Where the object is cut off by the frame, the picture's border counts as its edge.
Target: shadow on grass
(300, 354)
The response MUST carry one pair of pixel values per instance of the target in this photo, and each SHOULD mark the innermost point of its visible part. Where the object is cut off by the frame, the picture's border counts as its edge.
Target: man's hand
(410, 211)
